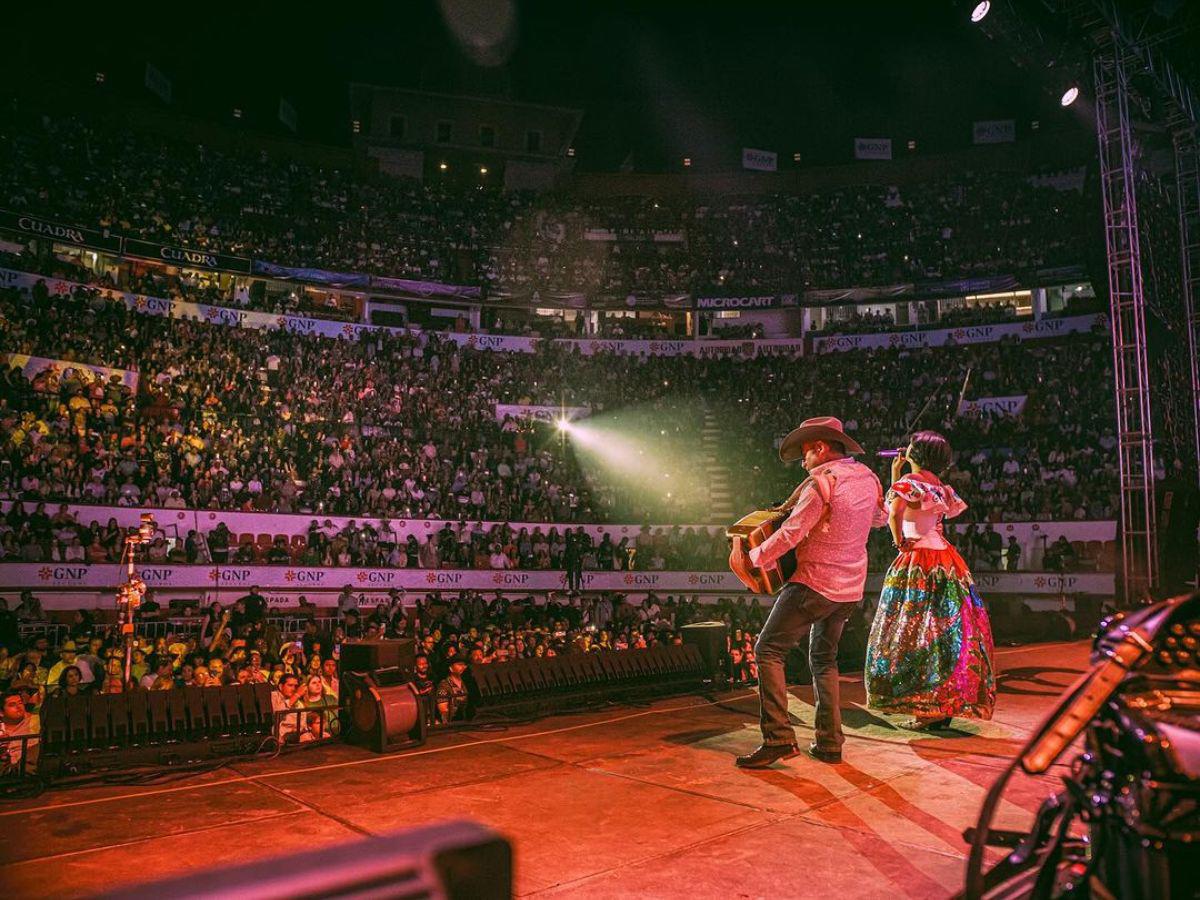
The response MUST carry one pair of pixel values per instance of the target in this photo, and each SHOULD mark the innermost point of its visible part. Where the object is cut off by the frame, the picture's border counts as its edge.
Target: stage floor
(631, 802)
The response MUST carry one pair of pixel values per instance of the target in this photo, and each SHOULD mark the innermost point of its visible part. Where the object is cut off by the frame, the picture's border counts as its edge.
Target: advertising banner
(322, 585)
(508, 343)
(424, 288)
(33, 366)
(759, 160)
(972, 334)
(315, 276)
(872, 148)
(995, 131)
(37, 227)
(957, 287)
(1007, 407)
(191, 259)
(760, 301)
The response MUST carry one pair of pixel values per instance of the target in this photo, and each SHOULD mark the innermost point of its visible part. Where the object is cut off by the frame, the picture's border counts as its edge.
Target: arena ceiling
(657, 80)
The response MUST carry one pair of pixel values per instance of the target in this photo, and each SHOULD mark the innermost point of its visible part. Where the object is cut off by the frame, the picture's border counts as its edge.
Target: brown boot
(767, 755)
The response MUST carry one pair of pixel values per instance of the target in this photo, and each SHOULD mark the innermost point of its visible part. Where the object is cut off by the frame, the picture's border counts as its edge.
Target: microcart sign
(765, 301)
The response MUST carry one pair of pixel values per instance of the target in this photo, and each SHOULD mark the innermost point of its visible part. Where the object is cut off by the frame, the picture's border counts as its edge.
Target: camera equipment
(1136, 786)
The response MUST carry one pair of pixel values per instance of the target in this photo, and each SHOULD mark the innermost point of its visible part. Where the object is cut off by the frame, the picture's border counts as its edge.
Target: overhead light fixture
(443, 166)
(979, 13)
(1070, 96)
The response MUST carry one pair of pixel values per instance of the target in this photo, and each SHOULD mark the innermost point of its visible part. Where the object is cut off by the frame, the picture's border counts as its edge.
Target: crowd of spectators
(242, 644)
(1055, 461)
(350, 218)
(404, 426)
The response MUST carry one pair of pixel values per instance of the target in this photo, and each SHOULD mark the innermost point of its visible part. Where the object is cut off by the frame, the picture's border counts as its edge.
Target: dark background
(660, 79)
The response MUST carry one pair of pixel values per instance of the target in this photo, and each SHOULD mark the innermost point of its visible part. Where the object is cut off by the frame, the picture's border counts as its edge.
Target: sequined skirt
(930, 651)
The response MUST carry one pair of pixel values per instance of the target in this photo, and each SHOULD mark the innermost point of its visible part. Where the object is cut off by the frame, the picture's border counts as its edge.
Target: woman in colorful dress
(930, 652)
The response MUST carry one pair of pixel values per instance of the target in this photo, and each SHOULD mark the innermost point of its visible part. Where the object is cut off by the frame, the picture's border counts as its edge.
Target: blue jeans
(799, 610)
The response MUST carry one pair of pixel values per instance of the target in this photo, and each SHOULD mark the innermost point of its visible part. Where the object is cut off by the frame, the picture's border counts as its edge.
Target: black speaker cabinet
(382, 711)
(369, 656)
(454, 860)
(711, 639)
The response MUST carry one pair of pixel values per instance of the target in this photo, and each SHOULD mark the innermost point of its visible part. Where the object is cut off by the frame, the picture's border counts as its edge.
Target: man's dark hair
(837, 447)
(931, 451)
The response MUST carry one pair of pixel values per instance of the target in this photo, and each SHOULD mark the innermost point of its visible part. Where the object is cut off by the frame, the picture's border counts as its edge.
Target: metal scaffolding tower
(1187, 194)
(1131, 372)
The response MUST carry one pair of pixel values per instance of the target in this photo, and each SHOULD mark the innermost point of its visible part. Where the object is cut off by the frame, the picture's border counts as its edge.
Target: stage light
(979, 13)
(483, 170)
(1070, 96)
(442, 166)
(687, 162)
(563, 424)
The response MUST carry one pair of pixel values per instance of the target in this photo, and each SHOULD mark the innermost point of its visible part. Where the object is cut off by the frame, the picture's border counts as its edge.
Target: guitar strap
(824, 484)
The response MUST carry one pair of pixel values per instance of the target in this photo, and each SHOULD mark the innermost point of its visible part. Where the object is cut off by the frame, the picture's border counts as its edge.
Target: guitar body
(753, 530)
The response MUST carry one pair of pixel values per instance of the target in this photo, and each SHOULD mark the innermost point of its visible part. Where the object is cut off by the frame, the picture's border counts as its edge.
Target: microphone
(892, 454)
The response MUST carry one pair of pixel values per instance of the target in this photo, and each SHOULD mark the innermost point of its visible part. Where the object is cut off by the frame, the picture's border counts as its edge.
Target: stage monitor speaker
(87, 722)
(369, 656)
(381, 712)
(600, 675)
(454, 861)
(711, 639)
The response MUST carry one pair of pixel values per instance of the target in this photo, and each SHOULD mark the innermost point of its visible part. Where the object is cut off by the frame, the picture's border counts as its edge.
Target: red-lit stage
(632, 802)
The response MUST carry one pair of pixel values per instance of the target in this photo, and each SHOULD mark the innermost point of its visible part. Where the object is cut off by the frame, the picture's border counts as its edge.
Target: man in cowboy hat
(832, 514)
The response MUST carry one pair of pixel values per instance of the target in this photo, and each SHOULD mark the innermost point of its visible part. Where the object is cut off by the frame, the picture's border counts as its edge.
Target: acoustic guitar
(752, 530)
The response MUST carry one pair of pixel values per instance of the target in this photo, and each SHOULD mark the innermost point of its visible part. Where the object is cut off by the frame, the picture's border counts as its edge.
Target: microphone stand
(131, 591)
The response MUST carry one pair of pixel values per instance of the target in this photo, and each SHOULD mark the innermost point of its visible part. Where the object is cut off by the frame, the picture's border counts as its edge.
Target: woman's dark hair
(931, 451)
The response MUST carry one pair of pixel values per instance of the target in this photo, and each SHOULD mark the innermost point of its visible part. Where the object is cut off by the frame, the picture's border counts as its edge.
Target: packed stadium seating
(279, 209)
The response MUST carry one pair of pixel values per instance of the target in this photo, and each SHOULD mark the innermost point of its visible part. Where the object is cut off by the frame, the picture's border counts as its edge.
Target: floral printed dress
(930, 650)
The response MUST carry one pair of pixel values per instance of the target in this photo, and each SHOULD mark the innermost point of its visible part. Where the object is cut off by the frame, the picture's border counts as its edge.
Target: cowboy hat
(822, 428)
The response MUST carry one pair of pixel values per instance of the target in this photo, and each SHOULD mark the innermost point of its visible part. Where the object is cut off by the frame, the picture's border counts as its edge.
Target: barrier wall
(322, 585)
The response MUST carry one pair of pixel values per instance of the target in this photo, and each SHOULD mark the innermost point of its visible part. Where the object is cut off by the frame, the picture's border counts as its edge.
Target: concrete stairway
(720, 494)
